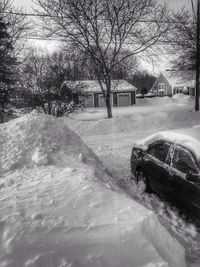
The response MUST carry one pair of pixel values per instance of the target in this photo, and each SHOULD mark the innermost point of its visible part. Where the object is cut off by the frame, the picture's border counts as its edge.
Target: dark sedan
(168, 163)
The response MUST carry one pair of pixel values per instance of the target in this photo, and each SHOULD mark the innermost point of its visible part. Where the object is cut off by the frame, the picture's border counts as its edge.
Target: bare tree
(17, 26)
(181, 43)
(44, 86)
(12, 28)
(143, 81)
(102, 29)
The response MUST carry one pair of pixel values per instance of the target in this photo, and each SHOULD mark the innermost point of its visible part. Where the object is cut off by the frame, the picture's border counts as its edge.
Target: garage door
(124, 100)
(102, 102)
(89, 101)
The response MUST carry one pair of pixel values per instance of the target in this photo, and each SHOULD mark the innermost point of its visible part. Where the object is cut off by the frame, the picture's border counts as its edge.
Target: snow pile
(160, 113)
(37, 139)
(154, 101)
(57, 217)
(59, 214)
(182, 98)
(159, 120)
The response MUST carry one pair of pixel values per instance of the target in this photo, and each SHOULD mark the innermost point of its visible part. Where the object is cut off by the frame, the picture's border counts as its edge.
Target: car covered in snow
(139, 96)
(168, 163)
(149, 95)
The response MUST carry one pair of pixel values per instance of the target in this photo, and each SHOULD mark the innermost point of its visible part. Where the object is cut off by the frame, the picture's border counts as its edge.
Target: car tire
(142, 181)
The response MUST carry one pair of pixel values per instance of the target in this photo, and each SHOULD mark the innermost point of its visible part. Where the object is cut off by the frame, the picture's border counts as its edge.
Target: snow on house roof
(116, 86)
(189, 138)
(173, 80)
(190, 83)
(177, 80)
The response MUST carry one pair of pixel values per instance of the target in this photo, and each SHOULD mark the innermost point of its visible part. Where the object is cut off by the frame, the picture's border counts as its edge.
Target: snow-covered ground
(61, 208)
(112, 141)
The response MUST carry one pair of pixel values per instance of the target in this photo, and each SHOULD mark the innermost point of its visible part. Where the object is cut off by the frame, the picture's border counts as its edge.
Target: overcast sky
(176, 4)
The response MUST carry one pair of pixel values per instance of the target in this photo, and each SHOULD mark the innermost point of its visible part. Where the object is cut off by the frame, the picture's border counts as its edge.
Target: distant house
(122, 94)
(166, 84)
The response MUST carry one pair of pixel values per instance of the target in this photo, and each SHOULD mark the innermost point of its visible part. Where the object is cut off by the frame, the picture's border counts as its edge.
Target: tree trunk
(108, 106)
(49, 107)
(2, 114)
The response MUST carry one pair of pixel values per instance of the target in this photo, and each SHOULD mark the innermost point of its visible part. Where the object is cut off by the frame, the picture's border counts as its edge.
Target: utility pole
(197, 58)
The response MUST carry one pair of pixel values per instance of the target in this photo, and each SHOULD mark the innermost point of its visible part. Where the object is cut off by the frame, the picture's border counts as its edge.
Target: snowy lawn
(112, 141)
(61, 208)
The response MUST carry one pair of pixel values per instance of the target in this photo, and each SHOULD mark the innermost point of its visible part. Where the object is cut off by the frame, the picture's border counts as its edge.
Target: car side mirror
(193, 177)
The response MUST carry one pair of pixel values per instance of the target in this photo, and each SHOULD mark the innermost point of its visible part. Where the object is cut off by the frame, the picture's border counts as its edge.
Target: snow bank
(55, 212)
(154, 101)
(158, 113)
(37, 139)
(144, 121)
(57, 217)
(182, 98)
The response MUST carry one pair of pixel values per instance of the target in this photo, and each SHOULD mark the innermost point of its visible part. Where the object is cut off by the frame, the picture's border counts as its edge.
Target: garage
(122, 94)
(89, 101)
(102, 102)
(124, 100)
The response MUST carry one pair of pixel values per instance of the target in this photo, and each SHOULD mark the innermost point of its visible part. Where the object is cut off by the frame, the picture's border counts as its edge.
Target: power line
(42, 39)
(24, 14)
(49, 16)
(39, 38)
(64, 41)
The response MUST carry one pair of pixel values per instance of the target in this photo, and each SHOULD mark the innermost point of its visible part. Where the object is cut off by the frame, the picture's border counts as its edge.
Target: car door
(186, 193)
(156, 162)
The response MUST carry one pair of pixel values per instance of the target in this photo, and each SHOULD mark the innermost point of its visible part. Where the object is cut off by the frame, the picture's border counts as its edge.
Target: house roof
(173, 80)
(116, 86)
(190, 83)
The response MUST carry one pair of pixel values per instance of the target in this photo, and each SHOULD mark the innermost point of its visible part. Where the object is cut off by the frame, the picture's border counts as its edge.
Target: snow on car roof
(189, 138)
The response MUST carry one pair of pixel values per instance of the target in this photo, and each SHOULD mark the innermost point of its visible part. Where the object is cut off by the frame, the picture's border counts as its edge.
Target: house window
(161, 89)
(161, 86)
(155, 92)
(161, 92)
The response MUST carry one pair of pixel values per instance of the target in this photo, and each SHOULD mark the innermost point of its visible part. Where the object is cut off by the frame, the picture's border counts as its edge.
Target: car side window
(159, 150)
(183, 161)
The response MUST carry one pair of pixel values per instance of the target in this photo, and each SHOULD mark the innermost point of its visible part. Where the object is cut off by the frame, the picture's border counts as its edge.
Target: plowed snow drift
(59, 207)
